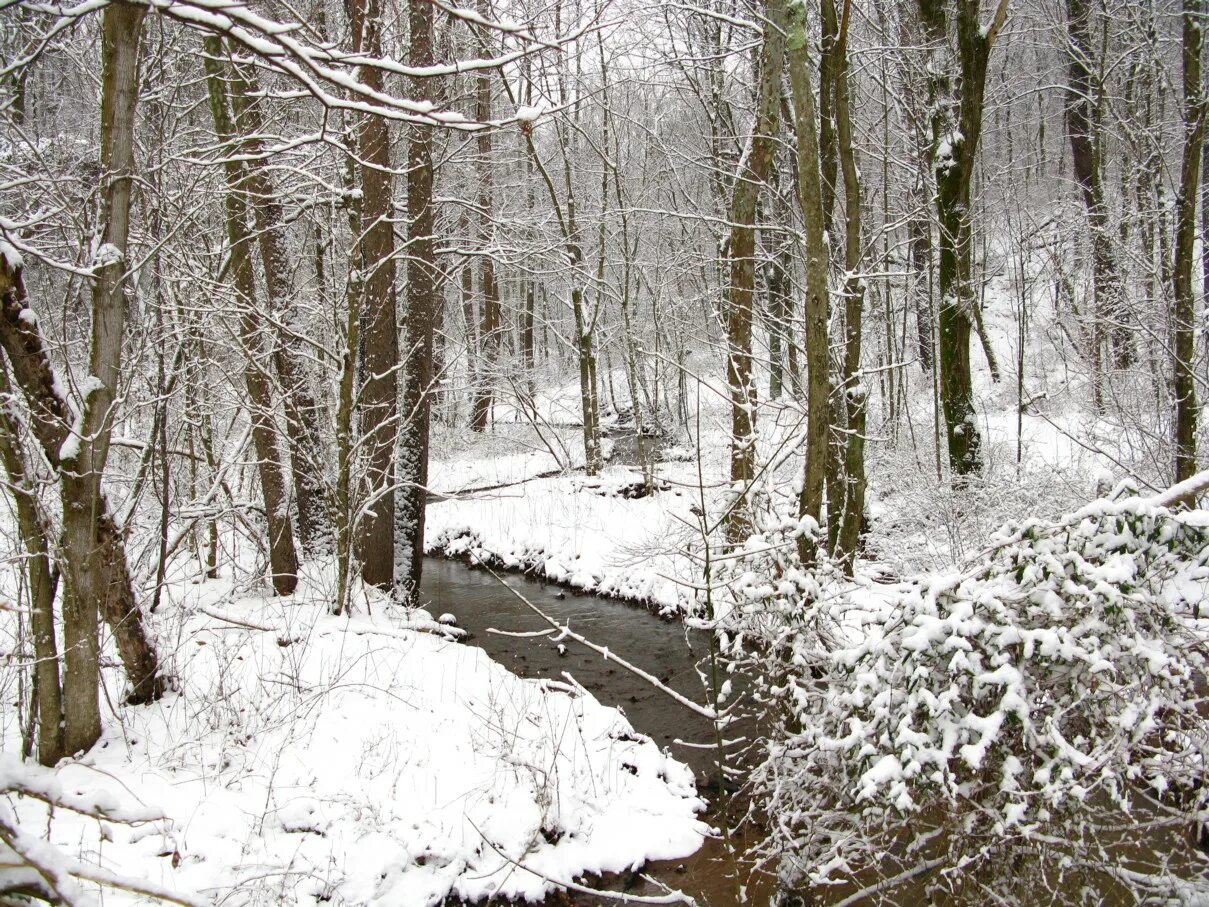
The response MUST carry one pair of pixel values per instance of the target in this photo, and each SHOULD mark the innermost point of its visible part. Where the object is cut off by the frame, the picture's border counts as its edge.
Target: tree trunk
(777, 304)
(283, 560)
(379, 411)
(920, 243)
(1083, 128)
(98, 576)
(489, 331)
(810, 185)
(303, 416)
(956, 106)
(741, 256)
(1183, 314)
(422, 306)
(94, 558)
(851, 508)
(41, 581)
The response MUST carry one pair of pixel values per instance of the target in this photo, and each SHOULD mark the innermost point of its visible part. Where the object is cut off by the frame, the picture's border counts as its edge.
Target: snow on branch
(32, 865)
(325, 73)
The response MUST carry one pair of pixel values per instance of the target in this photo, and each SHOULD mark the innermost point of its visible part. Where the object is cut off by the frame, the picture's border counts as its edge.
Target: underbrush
(1033, 719)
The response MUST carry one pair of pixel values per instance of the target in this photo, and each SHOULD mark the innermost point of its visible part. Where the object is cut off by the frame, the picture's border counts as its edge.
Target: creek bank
(665, 648)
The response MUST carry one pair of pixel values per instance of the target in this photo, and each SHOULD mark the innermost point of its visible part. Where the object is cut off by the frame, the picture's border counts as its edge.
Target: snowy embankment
(368, 760)
(578, 531)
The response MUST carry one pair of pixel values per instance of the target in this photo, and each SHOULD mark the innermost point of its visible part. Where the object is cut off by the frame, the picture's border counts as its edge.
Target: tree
(1183, 315)
(423, 302)
(257, 342)
(303, 417)
(1083, 121)
(956, 85)
(810, 183)
(378, 412)
(76, 444)
(740, 251)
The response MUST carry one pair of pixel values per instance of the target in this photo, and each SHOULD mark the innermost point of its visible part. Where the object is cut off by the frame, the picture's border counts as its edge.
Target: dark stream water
(663, 648)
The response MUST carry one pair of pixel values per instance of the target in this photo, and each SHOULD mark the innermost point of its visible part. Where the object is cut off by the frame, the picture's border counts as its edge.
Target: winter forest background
(856, 346)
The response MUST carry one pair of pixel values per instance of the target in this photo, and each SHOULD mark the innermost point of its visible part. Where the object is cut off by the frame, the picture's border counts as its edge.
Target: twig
(218, 615)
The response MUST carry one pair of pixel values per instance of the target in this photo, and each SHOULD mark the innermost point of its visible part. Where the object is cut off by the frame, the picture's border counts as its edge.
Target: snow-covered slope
(369, 760)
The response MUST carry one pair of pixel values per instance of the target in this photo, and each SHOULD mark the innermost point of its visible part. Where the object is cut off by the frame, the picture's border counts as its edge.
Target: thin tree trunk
(302, 414)
(777, 298)
(741, 255)
(283, 559)
(810, 185)
(489, 331)
(920, 243)
(41, 581)
(94, 558)
(1184, 297)
(1083, 129)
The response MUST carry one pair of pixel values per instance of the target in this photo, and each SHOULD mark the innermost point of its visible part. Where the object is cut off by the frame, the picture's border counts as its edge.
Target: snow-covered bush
(1036, 717)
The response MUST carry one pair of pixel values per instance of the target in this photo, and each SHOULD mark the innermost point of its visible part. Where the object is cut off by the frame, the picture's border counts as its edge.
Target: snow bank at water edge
(370, 760)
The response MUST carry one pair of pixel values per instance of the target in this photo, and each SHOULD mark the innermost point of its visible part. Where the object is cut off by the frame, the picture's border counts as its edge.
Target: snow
(368, 760)
(105, 255)
(12, 258)
(528, 114)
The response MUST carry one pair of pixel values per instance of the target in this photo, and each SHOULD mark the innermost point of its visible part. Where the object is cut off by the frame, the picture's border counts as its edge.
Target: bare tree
(1183, 315)
(753, 171)
(957, 81)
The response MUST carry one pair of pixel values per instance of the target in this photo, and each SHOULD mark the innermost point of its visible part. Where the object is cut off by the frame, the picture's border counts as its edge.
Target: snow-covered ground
(370, 759)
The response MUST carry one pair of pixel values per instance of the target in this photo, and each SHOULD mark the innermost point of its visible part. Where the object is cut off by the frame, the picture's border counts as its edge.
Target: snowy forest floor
(372, 759)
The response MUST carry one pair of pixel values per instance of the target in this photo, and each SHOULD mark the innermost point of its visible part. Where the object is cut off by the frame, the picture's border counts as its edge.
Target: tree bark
(854, 398)
(41, 581)
(302, 414)
(489, 331)
(957, 105)
(1083, 129)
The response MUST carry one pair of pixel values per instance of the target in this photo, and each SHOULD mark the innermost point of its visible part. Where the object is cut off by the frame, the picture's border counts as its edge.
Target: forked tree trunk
(1183, 314)
(93, 556)
(283, 559)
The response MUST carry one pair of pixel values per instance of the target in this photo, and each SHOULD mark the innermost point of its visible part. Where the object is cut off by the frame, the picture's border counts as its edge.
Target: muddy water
(663, 648)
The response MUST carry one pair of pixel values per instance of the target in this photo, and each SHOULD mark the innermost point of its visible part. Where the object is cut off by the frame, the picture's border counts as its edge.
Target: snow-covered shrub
(1031, 724)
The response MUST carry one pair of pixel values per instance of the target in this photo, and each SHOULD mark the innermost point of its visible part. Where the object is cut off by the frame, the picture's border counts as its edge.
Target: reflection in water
(664, 648)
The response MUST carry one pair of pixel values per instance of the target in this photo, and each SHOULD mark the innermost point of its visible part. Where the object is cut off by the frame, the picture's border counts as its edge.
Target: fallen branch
(565, 631)
(672, 897)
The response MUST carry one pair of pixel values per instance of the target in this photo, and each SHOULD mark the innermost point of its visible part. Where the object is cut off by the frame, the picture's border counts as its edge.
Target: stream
(664, 648)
